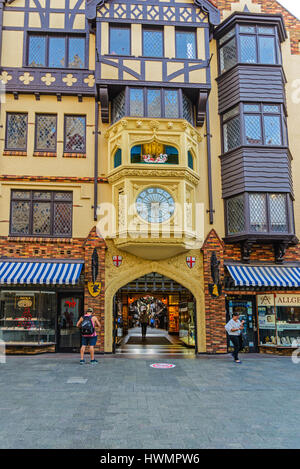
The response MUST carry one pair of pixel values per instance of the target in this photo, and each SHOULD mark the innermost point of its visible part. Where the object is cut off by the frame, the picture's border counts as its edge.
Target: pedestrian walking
(234, 329)
(144, 321)
(87, 325)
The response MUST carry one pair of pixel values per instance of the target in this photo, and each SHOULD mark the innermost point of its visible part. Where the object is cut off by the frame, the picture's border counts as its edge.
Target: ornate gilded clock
(155, 205)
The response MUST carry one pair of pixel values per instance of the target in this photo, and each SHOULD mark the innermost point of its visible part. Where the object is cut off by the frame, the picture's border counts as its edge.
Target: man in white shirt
(234, 329)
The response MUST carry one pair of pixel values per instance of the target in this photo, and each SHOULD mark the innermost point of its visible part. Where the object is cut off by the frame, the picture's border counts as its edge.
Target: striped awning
(265, 276)
(49, 273)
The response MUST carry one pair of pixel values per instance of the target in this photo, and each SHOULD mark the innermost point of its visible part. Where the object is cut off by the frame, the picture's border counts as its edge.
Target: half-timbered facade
(148, 146)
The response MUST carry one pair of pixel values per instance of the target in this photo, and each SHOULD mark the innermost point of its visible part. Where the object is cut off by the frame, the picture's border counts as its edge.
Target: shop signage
(265, 300)
(287, 300)
(164, 366)
(94, 288)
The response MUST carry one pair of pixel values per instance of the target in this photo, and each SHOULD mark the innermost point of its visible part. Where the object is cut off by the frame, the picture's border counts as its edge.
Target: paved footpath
(53, 402)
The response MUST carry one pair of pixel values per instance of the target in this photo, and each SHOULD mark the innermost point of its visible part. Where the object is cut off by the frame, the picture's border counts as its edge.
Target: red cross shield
(117, 260)
(190, 261)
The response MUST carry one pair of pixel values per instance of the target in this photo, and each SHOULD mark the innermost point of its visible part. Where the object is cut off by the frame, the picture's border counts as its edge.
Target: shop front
(40, 303)
(246, 306)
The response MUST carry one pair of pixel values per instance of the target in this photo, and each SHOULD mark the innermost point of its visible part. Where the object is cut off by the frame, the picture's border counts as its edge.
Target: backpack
(87, 326)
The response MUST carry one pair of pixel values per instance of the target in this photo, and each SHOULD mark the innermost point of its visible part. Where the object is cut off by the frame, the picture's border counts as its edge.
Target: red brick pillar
(97, 303)
(215, 313)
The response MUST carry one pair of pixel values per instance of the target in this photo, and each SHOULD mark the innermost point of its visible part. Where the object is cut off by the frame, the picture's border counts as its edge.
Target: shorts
(89, 340)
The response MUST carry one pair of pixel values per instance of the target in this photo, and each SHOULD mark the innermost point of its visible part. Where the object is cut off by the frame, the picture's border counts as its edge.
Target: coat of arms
(117, 260)
(190, 261)
(94, 288)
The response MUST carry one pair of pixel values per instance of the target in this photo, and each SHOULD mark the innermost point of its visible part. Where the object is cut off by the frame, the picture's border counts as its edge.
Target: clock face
(155, 205)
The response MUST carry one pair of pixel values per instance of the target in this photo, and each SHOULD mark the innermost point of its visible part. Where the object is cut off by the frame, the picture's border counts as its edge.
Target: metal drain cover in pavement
(162, 365)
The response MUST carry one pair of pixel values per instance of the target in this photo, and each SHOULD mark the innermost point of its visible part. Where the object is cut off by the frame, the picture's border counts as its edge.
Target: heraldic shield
(94, 288)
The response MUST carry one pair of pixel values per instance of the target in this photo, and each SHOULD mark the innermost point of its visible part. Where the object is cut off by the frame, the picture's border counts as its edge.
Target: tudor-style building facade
(148, 143)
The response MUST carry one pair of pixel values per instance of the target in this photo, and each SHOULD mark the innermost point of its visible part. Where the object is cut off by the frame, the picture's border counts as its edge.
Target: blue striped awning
(49, 273)
(265, 276)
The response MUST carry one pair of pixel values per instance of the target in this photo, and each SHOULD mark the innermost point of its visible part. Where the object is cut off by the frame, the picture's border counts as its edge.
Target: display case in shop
(187, 324)
(27, 317)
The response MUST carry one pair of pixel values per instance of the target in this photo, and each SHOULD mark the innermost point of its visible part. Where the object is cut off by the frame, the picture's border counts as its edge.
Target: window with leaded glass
(171, 104)
(136, 102)
(258, 44)
(16, 131)
(185, 44)
(154, 103)
(231, 129)
(258, 213)
(119, 43)
(228, 55)
(56, 51)
(45, 138)
(41, 213)
(235, 214)
(263, 124)
(152, 42)
(75, 134)
(118, 107)
(187, 109)
(278, 213)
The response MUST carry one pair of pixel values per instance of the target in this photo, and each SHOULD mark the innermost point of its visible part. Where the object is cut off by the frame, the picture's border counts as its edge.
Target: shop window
(41, 213)
(119, 43)
(154, 153)
(152, 42)
(27, 317)
(56, 51)
(45, 137)
(75, 134)
(118, 158)
(185, 44)
(16, 131)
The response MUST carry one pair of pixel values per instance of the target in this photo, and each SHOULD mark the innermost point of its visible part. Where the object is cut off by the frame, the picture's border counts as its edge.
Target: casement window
(185, 44)
(152, 42)
(249, 44)
(56, 51)
(45, 132)
(41, 213)
(75, 134)
(16, 131)
(119, 40)
(254, 124)
(259, 213)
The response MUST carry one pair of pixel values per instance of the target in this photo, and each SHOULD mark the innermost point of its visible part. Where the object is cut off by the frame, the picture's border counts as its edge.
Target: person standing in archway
(144, 320)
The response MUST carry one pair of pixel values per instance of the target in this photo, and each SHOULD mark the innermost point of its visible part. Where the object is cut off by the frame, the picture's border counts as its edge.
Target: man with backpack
(87, 325)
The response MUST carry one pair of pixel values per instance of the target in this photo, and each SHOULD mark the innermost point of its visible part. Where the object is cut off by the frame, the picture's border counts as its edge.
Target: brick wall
(272, 7)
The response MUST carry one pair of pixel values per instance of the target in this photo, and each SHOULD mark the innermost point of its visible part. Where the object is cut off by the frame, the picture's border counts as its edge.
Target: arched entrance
(170, 311)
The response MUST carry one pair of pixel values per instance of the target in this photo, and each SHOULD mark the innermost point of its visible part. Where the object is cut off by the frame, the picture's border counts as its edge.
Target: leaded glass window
(187, 109)
(152, 43)
(75, 134)
(16, 131)
(228, 55)
(235, 215)
(41, 213)
(57, 52)
(45, 132)
(49, 50)
(171, 104)
(258, 45)
(272, 129)
(258, 213)
(37, 51)
(154, 103)
(136, 102)
(278, 213)
(267, 50)
(118, 107)
(248, 49)
(119, 40)
(253, 129)
(232, 134)
(185, 45)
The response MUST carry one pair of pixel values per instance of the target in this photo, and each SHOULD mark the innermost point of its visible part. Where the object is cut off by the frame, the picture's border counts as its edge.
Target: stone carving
(5, 77)
(48, 79)
(26, 78)
(69, 79)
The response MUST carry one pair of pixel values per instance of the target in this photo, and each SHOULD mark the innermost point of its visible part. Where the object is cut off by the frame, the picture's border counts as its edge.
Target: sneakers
(94, 362)
(82, 362)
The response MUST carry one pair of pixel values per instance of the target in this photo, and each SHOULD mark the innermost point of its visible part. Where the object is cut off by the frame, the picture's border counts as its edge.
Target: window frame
(31, 201)
(35, 132)
(85, 132)
(67, 38)
(6, 148)
(149, 28)
(185, 30)
(247, 227)
(120, 26)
